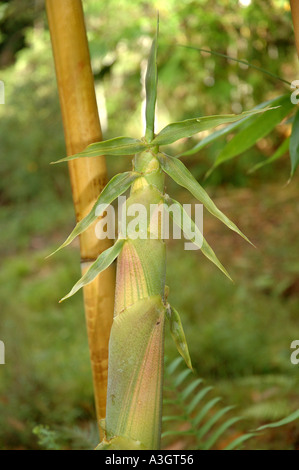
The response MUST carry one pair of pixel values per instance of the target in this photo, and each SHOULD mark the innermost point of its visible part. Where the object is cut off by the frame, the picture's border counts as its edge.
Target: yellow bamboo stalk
(88, 175)
(295, 16)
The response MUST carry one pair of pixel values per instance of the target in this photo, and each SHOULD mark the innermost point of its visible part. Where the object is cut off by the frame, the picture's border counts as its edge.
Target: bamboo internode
(88, 175)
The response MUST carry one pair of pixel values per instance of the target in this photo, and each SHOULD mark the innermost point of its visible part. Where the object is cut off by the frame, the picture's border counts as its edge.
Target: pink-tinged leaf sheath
(139, 273)
(134, 396)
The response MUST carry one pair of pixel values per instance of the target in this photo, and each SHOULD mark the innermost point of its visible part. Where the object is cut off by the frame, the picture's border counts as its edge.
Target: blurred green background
(239, 334)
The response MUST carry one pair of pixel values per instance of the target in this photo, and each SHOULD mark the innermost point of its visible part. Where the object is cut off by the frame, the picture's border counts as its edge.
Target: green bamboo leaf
(219, 432)
(239, 440)
(282, 149)
(189, 127)
(116, 146)
(294, 145)
(151, 81)
(262, 126)
(101, 263)
(203, 245)
(116, 186)
(225, 130)
(178, 335)
(182, 176)
(289, 419)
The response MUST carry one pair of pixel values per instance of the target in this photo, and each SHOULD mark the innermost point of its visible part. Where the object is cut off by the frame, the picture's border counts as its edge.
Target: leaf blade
(182, 176)
(115, 146)
(178, 335)
(151, 81)
(205, 247)
(114, 188)
(189, 127)
(282, 149)
(225, 130)
(102, 262)
(261, 127)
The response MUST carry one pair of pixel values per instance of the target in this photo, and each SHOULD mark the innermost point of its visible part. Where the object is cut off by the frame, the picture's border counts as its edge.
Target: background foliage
(239, 335)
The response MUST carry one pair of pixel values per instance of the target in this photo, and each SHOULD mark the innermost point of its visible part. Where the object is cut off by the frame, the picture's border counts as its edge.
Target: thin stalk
(88, 176)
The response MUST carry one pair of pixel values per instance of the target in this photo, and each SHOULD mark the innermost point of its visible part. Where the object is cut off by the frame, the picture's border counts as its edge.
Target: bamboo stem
(295, 16)
(88, 175)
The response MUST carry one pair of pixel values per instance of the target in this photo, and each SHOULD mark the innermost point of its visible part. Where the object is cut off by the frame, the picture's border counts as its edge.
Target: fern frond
(195, 416)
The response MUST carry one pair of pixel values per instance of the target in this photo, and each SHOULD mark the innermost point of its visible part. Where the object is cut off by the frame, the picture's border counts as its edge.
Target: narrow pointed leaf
(191, 387)
(239, 440)
(282, 149)
(116, 146)
(102, 263)
(116, 186)
(189, 127)
(198, 397)
(174, 365)
(226, 130)
(204, 246)
(151, 80)
(208, 425)
(181, 377)
(262, 126)
(289, 419)
(173, 418)
(182, 176)
(219, 432)
(205, 409)
(178, 335)
(294, 144)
